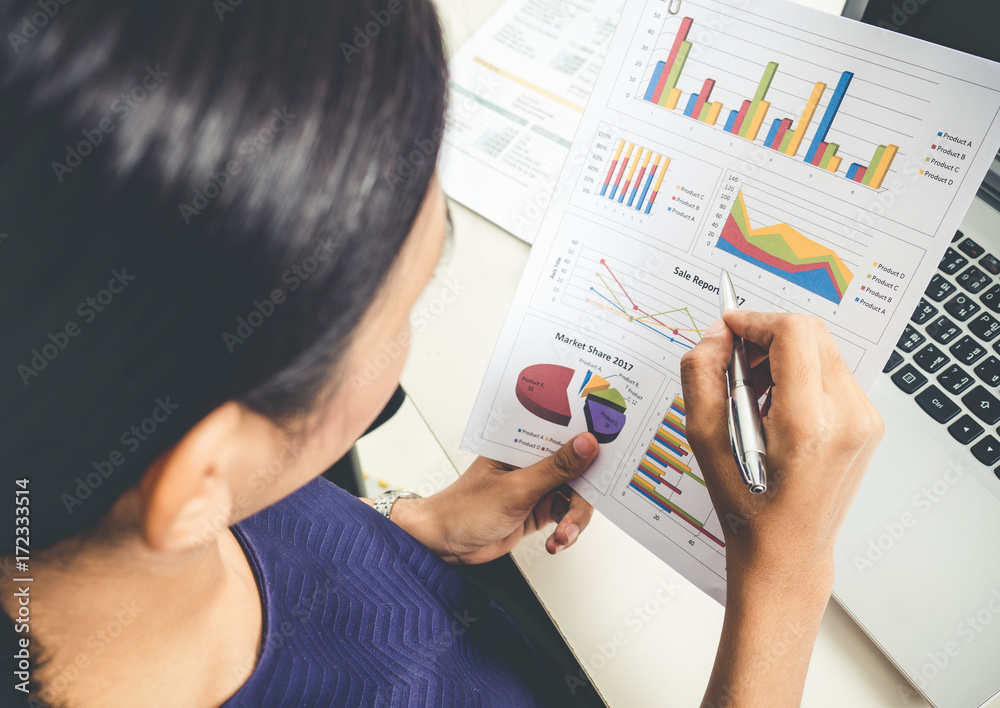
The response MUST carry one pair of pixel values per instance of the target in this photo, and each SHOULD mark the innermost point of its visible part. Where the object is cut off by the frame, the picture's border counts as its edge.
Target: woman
(217, 217)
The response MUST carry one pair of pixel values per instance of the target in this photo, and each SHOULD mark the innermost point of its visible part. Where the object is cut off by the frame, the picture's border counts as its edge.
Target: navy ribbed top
(359, 613)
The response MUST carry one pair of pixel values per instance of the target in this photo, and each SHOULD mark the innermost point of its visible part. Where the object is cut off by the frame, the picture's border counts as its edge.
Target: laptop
(918, 559)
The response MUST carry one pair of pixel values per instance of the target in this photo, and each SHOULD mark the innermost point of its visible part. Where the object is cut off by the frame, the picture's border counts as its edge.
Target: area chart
(783, 251)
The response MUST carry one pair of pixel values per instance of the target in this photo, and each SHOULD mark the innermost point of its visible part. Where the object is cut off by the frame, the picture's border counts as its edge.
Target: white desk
(645, 636)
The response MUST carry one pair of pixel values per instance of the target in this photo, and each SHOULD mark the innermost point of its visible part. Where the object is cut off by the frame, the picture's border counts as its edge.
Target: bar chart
(645, 171)
(667, 479)
(800, 136)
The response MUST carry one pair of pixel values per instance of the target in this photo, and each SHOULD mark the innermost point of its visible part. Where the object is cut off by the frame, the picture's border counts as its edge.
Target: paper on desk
(825, 164)
(518, 91)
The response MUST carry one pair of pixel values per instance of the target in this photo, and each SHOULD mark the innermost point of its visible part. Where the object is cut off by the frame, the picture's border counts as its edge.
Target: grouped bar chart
(783, 134)
(782, 250)
(635, 174)
(666, 460)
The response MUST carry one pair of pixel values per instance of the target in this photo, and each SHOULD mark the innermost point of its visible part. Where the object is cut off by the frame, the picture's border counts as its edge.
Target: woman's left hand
(484, 514)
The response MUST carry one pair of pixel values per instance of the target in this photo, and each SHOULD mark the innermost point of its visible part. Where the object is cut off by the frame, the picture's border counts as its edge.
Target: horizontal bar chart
(667, 456)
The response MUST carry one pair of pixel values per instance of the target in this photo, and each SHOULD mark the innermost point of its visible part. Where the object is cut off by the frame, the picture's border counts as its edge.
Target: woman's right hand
(821, 432)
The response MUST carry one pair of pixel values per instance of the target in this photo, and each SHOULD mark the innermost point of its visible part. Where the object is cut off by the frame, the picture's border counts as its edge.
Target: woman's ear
(187, 495)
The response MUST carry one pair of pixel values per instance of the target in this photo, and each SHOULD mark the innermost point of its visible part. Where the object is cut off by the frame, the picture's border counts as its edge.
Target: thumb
(569, 462)
(703, 378)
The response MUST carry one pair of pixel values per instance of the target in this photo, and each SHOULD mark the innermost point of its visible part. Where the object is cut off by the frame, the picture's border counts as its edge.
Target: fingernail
(715, 328)
(572, 531)
(585, 445)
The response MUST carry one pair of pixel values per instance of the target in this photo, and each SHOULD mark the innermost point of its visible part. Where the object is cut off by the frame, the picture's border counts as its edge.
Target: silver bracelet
(385, 500)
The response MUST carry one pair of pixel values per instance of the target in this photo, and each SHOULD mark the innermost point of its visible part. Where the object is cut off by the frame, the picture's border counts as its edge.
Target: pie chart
(542, 390)
(605, 413)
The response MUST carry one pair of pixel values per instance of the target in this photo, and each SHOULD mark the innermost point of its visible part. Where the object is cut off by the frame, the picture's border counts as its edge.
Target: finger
(569, 462)
(572, 525)
(793, 345)
(703, 378)
(561, 502)
(762, 378)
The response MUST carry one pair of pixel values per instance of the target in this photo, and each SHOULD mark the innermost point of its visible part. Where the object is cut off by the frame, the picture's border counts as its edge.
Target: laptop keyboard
(953, 345)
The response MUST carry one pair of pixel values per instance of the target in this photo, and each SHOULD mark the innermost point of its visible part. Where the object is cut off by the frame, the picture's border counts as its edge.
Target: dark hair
(198, 202)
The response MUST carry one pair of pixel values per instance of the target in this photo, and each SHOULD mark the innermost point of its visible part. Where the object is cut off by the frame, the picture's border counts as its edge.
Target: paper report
(825, 164)
(518, 91)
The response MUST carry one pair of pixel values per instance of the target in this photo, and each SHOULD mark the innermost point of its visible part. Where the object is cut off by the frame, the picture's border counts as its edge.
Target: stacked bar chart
(668, 456)
(750, 120)
(635, 176)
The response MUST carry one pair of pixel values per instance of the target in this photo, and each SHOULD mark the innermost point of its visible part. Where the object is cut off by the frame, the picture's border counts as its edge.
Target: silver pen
(746, 433)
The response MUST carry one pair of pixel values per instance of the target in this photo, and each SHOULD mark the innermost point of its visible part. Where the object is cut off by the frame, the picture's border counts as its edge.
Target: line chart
(640, 301)
(647, 319)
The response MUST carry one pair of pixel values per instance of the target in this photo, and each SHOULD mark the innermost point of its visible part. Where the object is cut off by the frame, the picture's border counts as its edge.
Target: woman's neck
(124, 626)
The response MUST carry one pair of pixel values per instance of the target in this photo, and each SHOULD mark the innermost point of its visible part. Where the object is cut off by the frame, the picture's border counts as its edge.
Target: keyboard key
(973, 279)
(989, 371)
(957, 237)
(962, 307)
(925, 310)
(937, 405)
(908, 379)
(985, 327)
(965, 429)
(991, 298)
(952, 262)
(967, 350)
(990, 263)
(939, 288)
(983, 404)
(997, 472)
(971, 248)
(895, 359)
(943, 330)
(987, 450)
(954, 379)
(930, 358)
(910, 340)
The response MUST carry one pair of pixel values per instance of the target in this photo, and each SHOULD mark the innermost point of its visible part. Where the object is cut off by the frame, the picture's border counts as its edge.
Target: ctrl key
(908, 379)
(937, 405)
